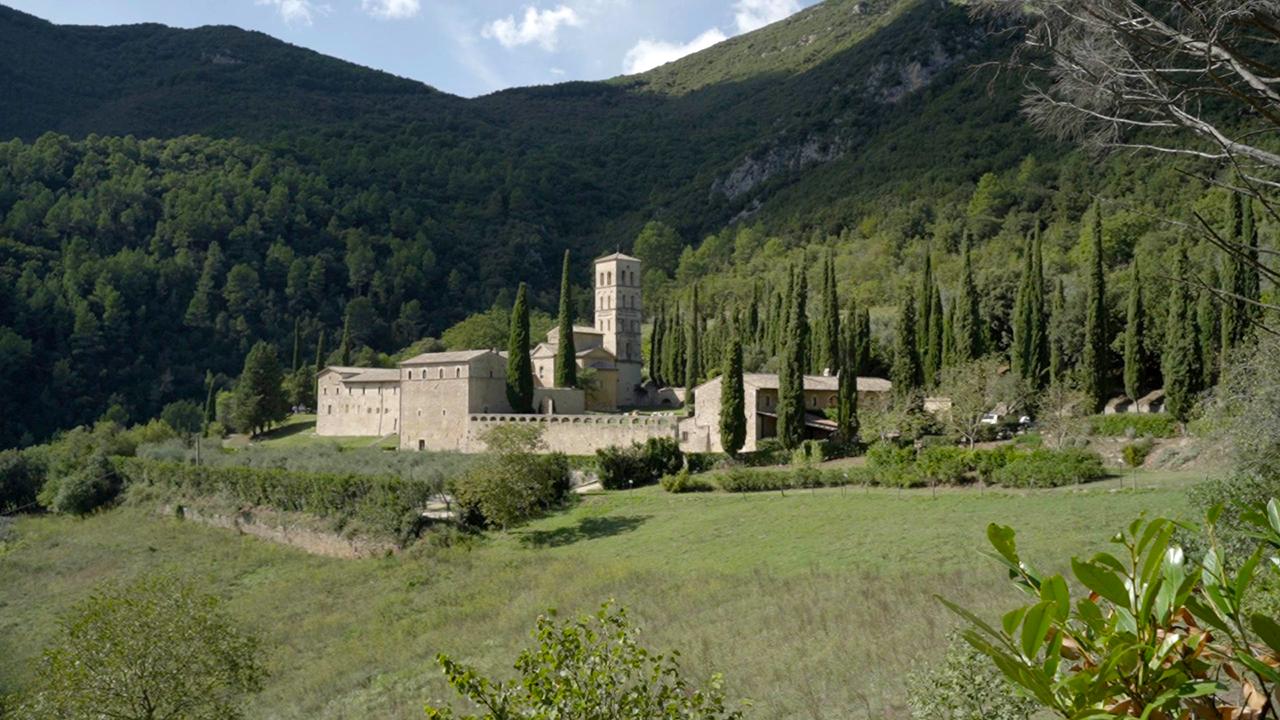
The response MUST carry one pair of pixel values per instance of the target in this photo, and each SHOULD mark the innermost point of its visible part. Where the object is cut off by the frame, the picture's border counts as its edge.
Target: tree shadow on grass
(592, 528)
(288, 430)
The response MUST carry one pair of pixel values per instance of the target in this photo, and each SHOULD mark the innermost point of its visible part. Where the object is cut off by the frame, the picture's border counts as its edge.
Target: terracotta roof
(446, 357)
(344, 370)
(616, 256)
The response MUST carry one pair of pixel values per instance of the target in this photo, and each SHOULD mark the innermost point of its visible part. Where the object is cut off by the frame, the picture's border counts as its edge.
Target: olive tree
(149, 650)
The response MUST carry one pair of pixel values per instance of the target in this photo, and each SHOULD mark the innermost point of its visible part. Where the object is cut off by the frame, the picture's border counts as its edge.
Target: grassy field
(813, 604)
(300, 431)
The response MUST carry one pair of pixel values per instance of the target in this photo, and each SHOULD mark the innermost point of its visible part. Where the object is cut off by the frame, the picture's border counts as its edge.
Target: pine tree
(519, 364)
(1093, 359)
(1181, 373)
(906, 360)
(1135, 357)
(970, 343)
(1057, 342)
(830, 317)
(566, 354)
(1209, 328)
(733, 418)
(693, 345)
(791, 420)
(200, 310)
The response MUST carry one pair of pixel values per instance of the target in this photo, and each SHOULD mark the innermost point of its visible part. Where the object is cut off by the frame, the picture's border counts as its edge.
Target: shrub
(987, 462)
(894, 465)
(1050, 468)
(21, 475)
(768, 452)
(387, 504)
(946, 465)
(94, 485)
(683, 482)
(748, 480)
(1135, 453)
(965, 686)
(810, 451)
(1156, 425)
(639, 465)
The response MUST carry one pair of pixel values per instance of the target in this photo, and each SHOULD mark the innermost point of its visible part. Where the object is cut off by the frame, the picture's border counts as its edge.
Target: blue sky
(466, 47)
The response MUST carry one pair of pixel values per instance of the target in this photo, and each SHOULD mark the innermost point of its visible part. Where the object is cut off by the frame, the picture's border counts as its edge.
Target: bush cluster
(506, 489)
(1050, 468)
(21, 475)
(1007, 465)
(1155, 425)
(638, 465)
(741, 479)
(683, 482)
(387, 504)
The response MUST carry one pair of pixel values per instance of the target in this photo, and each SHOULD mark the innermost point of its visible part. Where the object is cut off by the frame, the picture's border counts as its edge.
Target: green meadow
(813, 604)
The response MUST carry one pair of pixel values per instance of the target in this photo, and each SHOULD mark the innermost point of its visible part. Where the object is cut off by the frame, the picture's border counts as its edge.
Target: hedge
(638, 465)
(1155, 425)
(385, 504)
(1050, 468)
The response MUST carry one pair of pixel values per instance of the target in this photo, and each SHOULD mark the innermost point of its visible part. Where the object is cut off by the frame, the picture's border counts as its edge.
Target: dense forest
(280, 194)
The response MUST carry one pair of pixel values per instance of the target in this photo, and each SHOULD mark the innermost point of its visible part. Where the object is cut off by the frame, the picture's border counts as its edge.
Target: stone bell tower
(619, 315)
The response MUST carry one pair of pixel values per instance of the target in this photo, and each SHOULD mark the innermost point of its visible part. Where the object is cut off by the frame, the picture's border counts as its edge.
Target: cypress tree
(1020, 351)
(1093, 358)
(937, 338)
(924, 313)
(210, 407)
(344, 348)
(320, 356)
(693, 351)
(1135, 361)
(791, 420)
(1039, 313)
(733, 418)
(297, 346)
(847, 390)
(1235, 281)
(519, 364)
(1209, 328)
(906, 360)
(1180, 369)
(830, 317)
(566, 353)
(949, 336)
(656, 349)
(1057, 341)
(970, 343)
(1251, 285)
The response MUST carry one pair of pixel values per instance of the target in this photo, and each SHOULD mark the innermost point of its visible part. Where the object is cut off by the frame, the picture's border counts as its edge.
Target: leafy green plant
(963, 685)
(1153, 634)
(512, 483)
(1135, 453)
(1049, 468)
(640, 464)
(683, 482)
(155, 648)
(1156, 425)
(591, 668)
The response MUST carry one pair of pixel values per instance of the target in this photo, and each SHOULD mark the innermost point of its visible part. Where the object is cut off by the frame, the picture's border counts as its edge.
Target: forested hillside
(284, 189)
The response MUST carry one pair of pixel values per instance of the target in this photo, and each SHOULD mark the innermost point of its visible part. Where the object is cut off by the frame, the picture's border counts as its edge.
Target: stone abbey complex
(447, 401)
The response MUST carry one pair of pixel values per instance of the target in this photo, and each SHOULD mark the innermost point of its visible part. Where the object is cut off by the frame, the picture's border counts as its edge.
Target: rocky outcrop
(759, 168)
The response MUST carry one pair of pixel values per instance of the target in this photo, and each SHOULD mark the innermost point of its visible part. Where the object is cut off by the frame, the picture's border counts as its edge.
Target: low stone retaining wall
(269, 526)
(578, 434)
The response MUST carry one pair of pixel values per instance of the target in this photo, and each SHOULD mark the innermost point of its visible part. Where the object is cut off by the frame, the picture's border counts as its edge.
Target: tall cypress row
(924, 313)
(733, 418)
(949, 336)
(519, 364)
(1209, 327)
(1020, 353)
(320, 356)
(937, 330)
(655, 349)
(1251, 283)
(970, 343)
(566, 353)
(1181, 374)
(1235, 281)
(1039, 342)
(344, 347)
(1093, 359)
(847, 391)
(906, 359)
(1135, 357)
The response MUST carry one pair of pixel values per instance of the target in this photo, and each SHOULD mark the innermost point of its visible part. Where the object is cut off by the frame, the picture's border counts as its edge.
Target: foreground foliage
(591, 668)
(152, 649)
(1155, 634)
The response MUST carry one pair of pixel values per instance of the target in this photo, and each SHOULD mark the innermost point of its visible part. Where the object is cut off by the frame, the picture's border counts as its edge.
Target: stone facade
(578, 434)
(357, 402)
(701, 433)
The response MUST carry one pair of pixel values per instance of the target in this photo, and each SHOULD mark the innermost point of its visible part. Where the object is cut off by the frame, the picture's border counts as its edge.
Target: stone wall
(358, 410)
(578, 434)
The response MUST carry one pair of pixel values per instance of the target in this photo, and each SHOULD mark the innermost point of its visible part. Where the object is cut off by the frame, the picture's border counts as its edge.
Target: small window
(441, 373)
(457, 372)
(422, 445)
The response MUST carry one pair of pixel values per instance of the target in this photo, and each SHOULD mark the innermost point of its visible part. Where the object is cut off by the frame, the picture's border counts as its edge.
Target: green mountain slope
(343, 184)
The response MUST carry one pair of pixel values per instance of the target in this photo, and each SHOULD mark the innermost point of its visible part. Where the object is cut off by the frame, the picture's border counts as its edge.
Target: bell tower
(619, 314)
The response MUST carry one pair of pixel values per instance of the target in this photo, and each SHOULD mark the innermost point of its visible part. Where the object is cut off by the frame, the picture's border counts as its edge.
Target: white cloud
(296, 12)
(557, 71)
(649, 53)
(537, 26)
(755, 14)
(391, 9)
